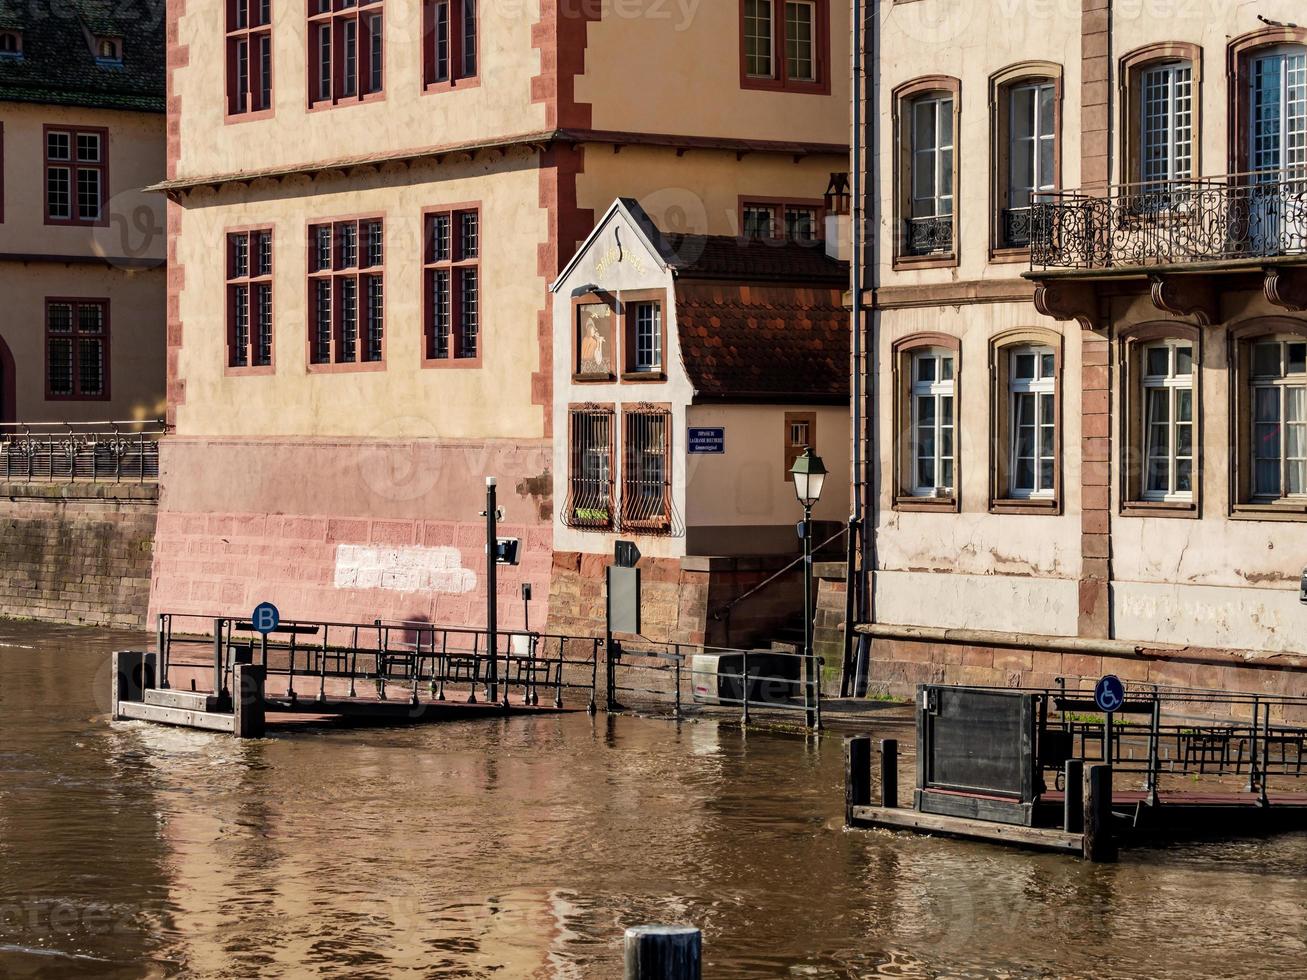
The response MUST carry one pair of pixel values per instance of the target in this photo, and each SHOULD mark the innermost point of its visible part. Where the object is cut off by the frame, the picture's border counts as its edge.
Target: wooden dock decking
(1040, 838)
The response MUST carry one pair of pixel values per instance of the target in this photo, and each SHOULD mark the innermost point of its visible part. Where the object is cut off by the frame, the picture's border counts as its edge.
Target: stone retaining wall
(77, 552)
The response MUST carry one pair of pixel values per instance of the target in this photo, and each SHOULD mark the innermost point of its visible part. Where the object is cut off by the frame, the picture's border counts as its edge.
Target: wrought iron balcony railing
(99, 452)
(929, 236)
(1239, 216)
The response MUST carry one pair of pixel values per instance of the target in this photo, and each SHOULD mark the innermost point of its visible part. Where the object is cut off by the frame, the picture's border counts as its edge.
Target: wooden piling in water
(1073, 804)
(1099, 843)
(857, 775)
(889, 773)
(247, 700)
(664, 953)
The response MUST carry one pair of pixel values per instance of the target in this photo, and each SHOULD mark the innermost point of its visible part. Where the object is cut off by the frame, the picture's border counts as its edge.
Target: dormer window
(11, 44)
(109, 52)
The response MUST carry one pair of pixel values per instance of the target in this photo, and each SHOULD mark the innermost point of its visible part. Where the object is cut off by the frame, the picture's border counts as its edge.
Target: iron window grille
(453, 285)
(77, 348)
(591, 501)
(249, 56)
(449, 49)
(249, 298)
(346, 292)
(346, 50)
(646, 470)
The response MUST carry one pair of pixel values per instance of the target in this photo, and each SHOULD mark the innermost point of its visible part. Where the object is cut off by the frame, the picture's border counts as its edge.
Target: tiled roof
(782, 343)
(727, 257)
(58, 66)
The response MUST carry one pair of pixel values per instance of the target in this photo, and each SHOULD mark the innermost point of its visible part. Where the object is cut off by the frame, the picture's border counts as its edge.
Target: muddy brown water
(522, 848)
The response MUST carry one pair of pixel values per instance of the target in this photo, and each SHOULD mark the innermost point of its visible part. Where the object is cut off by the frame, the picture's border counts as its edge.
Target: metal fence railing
(100, 452)
(1168, 731)
(320, 660)
(1237, 216)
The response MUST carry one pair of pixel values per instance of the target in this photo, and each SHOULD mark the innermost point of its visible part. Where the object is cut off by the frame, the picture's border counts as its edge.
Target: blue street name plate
(703, 441)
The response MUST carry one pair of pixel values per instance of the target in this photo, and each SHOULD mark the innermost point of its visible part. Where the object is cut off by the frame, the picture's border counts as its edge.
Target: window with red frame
(249, 56)
(449, 46)
(781, 222)
(75, 165)
(453, 285)
(783, 43)
(249, 298)
(77, 348)
(346, 58)
(346, 292)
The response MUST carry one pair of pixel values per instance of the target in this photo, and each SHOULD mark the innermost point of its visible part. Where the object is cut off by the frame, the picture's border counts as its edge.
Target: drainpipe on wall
(862, 522)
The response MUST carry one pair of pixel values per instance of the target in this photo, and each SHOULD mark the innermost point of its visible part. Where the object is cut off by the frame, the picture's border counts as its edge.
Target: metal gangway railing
(99, 452)
(320, 660)
(1163, 731)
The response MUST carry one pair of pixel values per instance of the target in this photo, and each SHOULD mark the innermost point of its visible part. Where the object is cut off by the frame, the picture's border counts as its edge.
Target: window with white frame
(930, 221)
(1032, 155)
(1032, 422)
(648, 337)
(1278, 378)
(784, 43)
(1168, 420)
(1279, 111)
(932, 398)
(1166, 123)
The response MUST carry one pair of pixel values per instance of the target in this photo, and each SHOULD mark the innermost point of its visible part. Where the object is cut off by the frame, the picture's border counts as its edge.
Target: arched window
(1026, 366)
(926, 183)
(1270, 416)
(926, 377)
(11, 44)
(1026, 111)
(1161, 108)
(1160, 405)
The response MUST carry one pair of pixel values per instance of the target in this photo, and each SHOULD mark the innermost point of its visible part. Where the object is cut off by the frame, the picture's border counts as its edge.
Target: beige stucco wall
(746, 486)
(404, 399)
(1211, 24)
(136, 351)
(698, 192)
(405, 118)
(136, 160)
(971, 42)
(993, 560)
(634, 79)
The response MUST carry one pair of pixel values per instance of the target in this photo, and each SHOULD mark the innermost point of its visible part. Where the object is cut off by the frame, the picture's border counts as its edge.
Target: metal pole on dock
(664, 953)
(857, 775)
(1099, 844)
(492, 588)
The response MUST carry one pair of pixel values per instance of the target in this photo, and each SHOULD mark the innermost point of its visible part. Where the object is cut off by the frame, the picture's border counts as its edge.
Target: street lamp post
(809, 475)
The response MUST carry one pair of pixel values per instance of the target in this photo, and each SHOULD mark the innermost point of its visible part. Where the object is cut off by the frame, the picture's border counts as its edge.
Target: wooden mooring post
(1099, 843)
(1073, 804)
(889, 773)
(857, 775)
(247, 702)
(664, 953)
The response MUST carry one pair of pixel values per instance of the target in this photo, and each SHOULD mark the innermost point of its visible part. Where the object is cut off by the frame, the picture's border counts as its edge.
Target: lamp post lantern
(809, 475)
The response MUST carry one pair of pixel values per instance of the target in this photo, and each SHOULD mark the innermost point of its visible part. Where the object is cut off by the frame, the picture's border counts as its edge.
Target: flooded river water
(522, 848)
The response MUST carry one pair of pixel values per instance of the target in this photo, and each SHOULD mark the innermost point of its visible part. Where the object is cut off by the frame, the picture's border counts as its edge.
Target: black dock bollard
(1073, 806)
(247, 700)
(889, 772)
(664, 953)
(857, 775)
(1099, 844)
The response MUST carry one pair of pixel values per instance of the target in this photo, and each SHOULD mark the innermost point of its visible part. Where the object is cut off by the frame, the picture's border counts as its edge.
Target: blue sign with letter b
(265, 618)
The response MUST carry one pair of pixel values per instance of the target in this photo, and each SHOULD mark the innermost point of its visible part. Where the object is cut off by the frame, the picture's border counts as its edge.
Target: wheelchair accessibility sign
(1109, 693)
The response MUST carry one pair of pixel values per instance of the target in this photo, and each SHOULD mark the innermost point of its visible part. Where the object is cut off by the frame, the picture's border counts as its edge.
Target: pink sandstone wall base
(347, 530)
